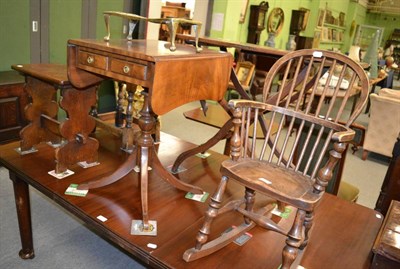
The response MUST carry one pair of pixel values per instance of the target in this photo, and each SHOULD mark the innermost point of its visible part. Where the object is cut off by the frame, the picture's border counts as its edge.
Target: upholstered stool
(348, 192)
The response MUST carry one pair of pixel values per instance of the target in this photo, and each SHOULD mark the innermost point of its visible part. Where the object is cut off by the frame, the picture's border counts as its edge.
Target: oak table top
(342, 236)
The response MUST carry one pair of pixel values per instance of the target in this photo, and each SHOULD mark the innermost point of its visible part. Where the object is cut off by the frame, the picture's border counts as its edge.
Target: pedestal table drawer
(131, 69)
(93, 60)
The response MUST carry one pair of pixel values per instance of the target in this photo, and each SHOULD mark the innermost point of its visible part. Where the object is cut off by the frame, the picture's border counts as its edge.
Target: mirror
(275, 21)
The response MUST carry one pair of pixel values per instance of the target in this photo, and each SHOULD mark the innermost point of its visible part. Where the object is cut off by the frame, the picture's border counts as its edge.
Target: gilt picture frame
(244, 72)
(306, 17)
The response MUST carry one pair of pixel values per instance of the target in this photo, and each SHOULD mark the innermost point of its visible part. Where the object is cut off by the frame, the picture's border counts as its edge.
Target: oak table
(342, 235)
(169, 78)
(42, 83)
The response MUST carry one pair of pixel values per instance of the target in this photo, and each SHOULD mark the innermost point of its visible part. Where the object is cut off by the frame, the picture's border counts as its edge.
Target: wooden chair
(277, 167)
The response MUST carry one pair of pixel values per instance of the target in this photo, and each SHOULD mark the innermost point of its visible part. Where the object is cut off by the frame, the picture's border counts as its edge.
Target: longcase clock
(257, 22)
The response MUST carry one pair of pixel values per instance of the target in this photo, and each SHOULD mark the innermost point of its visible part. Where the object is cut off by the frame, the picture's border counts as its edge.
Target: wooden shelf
(334, 26)
(330, 42)
(329, 28)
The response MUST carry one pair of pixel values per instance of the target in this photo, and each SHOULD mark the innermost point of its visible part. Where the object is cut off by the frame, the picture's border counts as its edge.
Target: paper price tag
(285, 214)
(61, 175)
(241, 240)
(101, 218)
(197, 197)
(72, 190)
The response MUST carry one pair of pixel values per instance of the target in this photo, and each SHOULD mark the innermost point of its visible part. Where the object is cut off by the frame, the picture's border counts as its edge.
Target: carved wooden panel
(12, 103)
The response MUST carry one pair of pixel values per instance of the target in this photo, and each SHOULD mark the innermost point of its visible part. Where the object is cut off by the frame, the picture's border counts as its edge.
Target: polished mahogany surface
(50, 73)
(342, 236)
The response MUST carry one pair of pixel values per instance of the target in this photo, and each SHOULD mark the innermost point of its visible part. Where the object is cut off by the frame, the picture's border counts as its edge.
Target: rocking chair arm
(344, 136)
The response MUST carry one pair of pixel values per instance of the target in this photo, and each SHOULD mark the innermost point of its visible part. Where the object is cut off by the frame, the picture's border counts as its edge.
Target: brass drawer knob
(90, 59)
(126, 69)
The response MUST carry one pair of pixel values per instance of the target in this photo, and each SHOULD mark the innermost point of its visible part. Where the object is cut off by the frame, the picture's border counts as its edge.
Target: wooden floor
(342, 236)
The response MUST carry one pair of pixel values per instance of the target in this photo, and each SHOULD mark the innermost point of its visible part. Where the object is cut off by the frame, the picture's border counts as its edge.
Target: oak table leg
(76, 129)
(42, 96)
(42, 83)
(22, 202)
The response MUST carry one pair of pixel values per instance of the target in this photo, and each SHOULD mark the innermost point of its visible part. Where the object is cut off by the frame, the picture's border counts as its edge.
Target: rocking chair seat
(274, 181)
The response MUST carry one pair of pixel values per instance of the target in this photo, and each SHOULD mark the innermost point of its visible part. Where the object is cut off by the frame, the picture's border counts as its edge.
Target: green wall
(234, 31)
(115, 22)
(14, 33)
(64, 23)
(65, 20)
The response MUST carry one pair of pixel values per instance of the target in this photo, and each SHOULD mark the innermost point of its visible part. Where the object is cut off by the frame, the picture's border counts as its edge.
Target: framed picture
(316, 39)
(305, 19)
(244, 72)
(325, 34)
(321, 17)
(334, 35)
(330, 32)
(341, 19)
(243, 11)
(328, 17)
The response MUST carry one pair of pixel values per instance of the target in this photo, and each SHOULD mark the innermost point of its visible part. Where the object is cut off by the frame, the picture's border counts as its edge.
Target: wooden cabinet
(174, 12)
(386, 247)
(12, 105)
(390, 189)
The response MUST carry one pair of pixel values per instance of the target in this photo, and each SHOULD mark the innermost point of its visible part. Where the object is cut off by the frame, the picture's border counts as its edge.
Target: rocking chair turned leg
(212, 212)
(294, 240)
(250, 199)
(308, 222)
